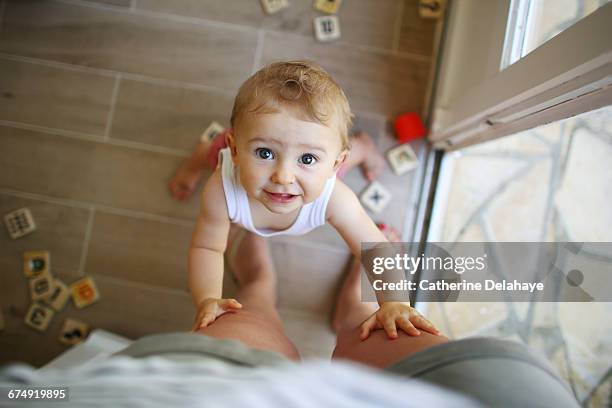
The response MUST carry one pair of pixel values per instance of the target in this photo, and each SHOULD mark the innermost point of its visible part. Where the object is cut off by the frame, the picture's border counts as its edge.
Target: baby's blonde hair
(304, 88)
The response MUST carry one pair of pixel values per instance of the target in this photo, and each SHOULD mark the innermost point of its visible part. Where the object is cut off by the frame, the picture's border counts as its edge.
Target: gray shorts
(497, 373)
(197, 347)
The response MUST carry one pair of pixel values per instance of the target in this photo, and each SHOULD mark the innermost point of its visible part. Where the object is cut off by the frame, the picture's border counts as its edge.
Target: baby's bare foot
(184, 182)
(372, 162)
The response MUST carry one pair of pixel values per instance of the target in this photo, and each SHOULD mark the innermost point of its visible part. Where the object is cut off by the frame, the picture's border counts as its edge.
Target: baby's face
(284, 162)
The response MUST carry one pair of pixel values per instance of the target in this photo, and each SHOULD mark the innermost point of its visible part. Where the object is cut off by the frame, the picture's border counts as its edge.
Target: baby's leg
(257, 324)
(191, 170)
(365, 154)
(189, 173)
(377, 350)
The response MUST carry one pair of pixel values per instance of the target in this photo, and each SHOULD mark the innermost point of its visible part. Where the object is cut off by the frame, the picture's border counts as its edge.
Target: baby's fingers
(230, 304)
(389, 326)
(207, 320)
(197, 322)
(408, 327)
(424, 324)
(367, 327)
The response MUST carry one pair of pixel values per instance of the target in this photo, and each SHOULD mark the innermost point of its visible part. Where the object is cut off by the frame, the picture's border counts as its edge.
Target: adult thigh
(254, 330)
(379, 350)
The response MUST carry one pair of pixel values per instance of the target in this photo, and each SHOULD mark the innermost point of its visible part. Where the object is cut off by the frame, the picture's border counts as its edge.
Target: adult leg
(257, 324)
(377, 350)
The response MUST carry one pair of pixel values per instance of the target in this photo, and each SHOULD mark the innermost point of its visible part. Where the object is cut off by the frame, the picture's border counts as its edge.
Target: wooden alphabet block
(327, 6)
(431, 8)
(375, 197)
(84, 292)
(41, 287)
(73, 332)
(36, 263)
(39, 317)
(59, 295)
(19, 223)
(402, 159)
(327, 28)
(211, 131)
(274, 6)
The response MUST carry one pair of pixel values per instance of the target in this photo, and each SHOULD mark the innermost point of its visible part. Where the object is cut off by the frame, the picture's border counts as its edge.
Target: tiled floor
(101, 100)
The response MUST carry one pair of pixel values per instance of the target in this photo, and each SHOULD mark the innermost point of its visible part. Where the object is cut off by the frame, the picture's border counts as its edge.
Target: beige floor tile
(372, 124)
(122, 3)
(363, 22)
(416, 34)
(129, 310)
(20, 343)
(91, 172)
(324, 237)
(112, 39)
(244, 12)
(54, 97)
(134, 311)
(311, 279)
(59, 229)
(144, 251)
(374, 82)
(167, 115)
(311, 333)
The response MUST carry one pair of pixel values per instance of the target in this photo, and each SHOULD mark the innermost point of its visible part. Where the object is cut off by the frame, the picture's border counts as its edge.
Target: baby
(277, 175)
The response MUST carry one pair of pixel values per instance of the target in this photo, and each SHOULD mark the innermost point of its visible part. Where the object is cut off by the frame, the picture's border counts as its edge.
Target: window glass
(553, 184)
(533, 22)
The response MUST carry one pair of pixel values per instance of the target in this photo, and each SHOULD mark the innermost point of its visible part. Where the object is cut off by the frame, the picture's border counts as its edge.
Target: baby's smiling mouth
(280, 197)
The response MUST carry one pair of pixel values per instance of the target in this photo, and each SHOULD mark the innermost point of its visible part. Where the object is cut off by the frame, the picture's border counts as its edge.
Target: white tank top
(311, 216)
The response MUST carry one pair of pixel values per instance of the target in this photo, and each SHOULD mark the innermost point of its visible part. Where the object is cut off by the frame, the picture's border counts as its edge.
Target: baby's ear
(230, 140)
(341, 159)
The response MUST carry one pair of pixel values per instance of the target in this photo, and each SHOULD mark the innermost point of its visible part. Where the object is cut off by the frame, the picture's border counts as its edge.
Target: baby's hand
(209, 309)
(391, 314)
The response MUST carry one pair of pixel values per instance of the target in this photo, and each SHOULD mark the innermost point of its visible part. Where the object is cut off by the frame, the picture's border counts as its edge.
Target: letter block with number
(39, 317)
(36, 263)
(84, 292)
(327, 6)
(41, 287)
(73, 332)
(59, 295)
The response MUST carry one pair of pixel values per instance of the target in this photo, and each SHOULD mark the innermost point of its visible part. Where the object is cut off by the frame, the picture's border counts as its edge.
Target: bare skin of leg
(363, 153)
(189, 173)
(257, 324)
(377, 350)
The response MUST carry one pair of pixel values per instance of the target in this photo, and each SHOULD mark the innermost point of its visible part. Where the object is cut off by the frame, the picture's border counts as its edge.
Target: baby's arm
(346, 214)
(206, 255)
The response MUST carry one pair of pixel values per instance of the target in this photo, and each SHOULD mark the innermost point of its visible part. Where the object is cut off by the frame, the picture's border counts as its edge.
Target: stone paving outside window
(552, 183)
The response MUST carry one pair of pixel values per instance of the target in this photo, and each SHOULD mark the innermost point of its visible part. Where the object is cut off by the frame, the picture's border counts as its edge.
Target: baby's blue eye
(264, 153)
(308, 159)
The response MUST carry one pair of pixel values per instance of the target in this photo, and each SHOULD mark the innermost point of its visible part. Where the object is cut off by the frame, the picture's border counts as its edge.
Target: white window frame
(568, 75)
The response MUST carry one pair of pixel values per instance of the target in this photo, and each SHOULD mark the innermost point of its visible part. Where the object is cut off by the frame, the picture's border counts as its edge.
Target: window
(533, 22)
(550, 183)
(524, 153)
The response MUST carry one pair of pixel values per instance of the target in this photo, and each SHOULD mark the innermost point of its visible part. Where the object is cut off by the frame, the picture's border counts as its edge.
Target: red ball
(409, 126)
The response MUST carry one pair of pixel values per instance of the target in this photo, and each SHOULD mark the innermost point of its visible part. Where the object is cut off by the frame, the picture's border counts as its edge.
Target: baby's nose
(283, 175)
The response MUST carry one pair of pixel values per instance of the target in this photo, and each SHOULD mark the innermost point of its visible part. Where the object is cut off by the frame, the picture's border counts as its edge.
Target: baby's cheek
(313, 191)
